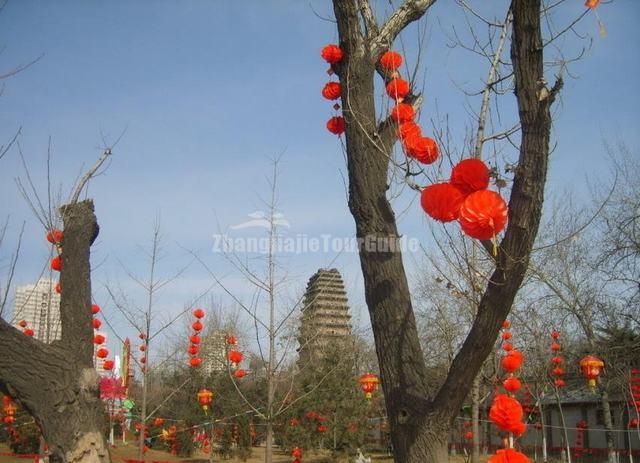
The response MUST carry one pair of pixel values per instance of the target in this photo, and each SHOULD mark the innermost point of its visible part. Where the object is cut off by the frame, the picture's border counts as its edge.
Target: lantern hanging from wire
(369, 384)
(205, 397)
(591, 368)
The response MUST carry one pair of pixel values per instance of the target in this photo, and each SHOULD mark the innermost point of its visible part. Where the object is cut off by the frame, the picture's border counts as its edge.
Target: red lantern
(205, 397)
(332, 90)
(558, 371)
(508, 456)
(55, 236)
(468, 435)
(390, 61)
(142, 336)
(591, 4)
(8, 420)
(58, 288)
(29, 332)
(556, 360)
(22, 323)
(506, 335)
(195, 361)
(507, 346)
(591, 368)
(512, 384)
(442, 201)
(197, 326)
(56, 263)
(408, 130)
(239, 373)
(483, 214)
(422, 149)
(195, 339)
(335, 125)
(296, 452)
(95, 308)
(555, 334)
(402, 112)
(322, 428)
(198, 313)
(96, 323)
(506, 413)
(232, 340)
(143, 360)
(555, 347)
(506, 324)
(369, 384)
(158, 421)
(470, 175)
(512, 361)
(107, 365)
(332, 54)
(559, 383)
(102, 353)
(193, 350)
(397, 89)
(235, 357)
(99, 339)
(143, 348)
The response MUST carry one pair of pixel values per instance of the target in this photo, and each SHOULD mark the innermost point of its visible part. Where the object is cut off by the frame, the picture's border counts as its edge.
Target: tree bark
(57, 383)
(420, 424)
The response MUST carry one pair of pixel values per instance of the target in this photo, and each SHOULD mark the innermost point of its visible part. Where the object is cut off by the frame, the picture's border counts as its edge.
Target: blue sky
(210, 91)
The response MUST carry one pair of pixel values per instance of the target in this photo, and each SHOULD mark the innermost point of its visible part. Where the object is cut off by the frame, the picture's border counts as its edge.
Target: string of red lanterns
(194, 339)
(556, 370)
(332, 90)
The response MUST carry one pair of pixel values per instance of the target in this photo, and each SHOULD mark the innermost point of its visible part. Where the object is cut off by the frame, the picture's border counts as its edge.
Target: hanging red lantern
(22, 323)
(506, 413)
(197, 326)
(56, 263)
(468, 435)
(555, 334)
(8, 420)
(422, 149)
(205, 397)
(143, 348)
(96, 323)
(556, 360)
(555, 347)
(442, 201)
(296, 452)
(143, 360)
(558, 371)
(158, 422)
(409, 129)
(369, 384)
(512, 384)
(506, 324)
(336, 125)
(397, 89)
(506, 335)
(470, 175)
(559, 383)
(591, 4)
(58, 288)
(390, 60)
(195, 361)
(322, 428)
(508, 456)
(142, 336)
(332, 54)
(193, 350)
(102, 353)
(239, 373)
(29, 332)
(55, 236)
(99, 339)
(507, 346)
(198, 313)
(331, 90)
(402, 112)
(95, 308)
(235, 357)
(591, 368)
(107, 365)
(232, 340)
(483, 214)
(195, 339)
(512, 361)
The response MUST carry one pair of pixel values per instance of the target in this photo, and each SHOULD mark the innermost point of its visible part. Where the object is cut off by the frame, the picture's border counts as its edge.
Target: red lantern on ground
(56, 263)
(369, 384)
(332, 54)
(442, 201)
(331, 90)
(197, 326)
(483, 214)
(591, 368)
(336, 125)
(55, 236)
(397, 89)
(235, 357)
(205, 397)
(390, 60)
(198, 313)
(102, 353)
(470, 175)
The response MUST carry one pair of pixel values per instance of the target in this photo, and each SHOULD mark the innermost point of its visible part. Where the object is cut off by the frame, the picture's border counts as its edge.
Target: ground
(130, 452)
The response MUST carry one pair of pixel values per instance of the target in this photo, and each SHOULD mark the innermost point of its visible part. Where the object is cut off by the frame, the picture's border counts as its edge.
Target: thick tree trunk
(475, 420)
(608, 424)
(419, 426)
(56, 383)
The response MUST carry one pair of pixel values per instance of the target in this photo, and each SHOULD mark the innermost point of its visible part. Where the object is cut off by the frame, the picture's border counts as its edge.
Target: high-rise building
(39, 305)
(213, 351)
(325, 314)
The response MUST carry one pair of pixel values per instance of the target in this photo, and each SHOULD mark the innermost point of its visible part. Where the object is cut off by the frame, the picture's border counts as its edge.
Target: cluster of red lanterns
(99, 339)
(332, 90)
(25, 328)
(55, 237)
(194, 339)
(319, 419)
(415, 145)
(235, 357)
(205, 398)
(556, 361)
(468, 435)
(9, 410)
(481, 213)
(296, 454)
(506, 411)
(369, 384)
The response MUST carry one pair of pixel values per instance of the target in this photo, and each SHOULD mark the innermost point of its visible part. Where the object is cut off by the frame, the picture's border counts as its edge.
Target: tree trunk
(475, 420)
(419, 425)
(268, 453)
(57, 383)
(608, 424)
